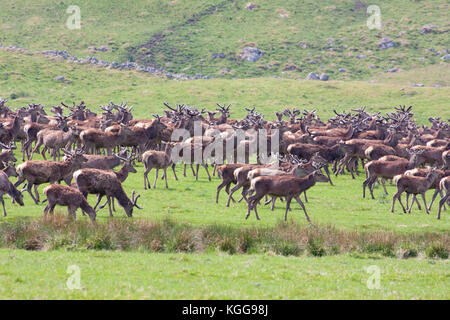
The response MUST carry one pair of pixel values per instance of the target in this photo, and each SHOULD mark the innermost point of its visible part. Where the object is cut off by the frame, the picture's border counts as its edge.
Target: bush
(437, 250)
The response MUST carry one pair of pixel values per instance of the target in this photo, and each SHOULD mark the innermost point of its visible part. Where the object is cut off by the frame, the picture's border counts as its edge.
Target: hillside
(27, 78)
(207, 37)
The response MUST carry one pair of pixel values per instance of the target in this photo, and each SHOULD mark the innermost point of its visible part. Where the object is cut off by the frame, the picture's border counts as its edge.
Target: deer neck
(122, 174)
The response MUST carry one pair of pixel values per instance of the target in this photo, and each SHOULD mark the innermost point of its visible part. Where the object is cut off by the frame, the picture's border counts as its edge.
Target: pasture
(214, 273)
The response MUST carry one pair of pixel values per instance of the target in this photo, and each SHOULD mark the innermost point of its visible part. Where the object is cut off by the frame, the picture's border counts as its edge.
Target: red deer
(282, 186)
(69, 197)
(413, 185)
(444, 185)
(7, 187)
(158, 160)
(37, 172)
(387, 170)
(105, 183)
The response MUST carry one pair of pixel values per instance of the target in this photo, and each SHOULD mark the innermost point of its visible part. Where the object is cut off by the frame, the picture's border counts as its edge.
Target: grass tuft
(286, 239)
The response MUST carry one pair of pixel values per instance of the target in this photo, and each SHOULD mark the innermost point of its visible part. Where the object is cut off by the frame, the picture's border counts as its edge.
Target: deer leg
(52, 208)
(328, 174)
(371, 185)
(184, 170)
(205, 165)
(442, 195)
(174, 173)
(383, 183)
(442, 203)
(108, 199)
(436, 191)
(233, 190)
(99, 197)
(288, 203)
(425, 202)
(113, 205)
(297, 198)
(407, 201)
(165, 177)
(3, 204)
(223, 184)
(146, 181)
(156, 178)
(304, 193)
(192, 168)
(197, 166)
(214, 169)
(31, 194)
(227, 189)
(272, 207)
(36, 192)
(47, 207)
(417, 201)
(365, 183)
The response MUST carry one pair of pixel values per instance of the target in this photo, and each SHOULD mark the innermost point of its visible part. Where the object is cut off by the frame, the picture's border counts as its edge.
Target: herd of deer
(415, 158)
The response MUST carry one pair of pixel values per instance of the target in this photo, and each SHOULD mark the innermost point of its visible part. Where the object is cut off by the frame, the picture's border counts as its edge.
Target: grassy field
(181, 36)
(131, 275)
(26, 78)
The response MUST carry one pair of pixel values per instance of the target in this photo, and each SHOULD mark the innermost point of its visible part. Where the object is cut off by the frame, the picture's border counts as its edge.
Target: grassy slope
(126, 275)
(208, 275)
(31, 76)
(187, 47)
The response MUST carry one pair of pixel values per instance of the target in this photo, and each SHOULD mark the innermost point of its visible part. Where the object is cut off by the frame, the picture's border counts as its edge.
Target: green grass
(193, 202)
(133, 275)
(211, 274)
(190, 31)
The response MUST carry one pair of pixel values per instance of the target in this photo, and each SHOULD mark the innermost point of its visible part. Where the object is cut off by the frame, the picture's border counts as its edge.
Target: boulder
(312, 76)
(251, 54)
(429, 28)
(385, 43)
(324, 77)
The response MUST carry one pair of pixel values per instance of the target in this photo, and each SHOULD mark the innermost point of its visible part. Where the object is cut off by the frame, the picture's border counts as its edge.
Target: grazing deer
(283, 186)
(69, 197)
(7, 155)
(158, 160)
(122, 175)
(7, 187)
(444, 185)
(413, 185)
(37, 172)
(105, 183)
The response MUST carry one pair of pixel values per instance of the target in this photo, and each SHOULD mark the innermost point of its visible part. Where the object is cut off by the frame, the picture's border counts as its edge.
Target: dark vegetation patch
(287, 239)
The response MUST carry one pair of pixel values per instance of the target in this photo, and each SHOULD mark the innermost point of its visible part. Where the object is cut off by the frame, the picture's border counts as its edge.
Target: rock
(417, 85)
(385, 43)
(303, 45)
(372, 66)
(250, 6)
(103, 49)
(59, 78)
(324, 77)
(342, 70)
(312, 76)
(446, 57)
(289, 67)
(251, 54)
(392, 70)
(360, 56)
(226, 71)
(429, 28)
(421, 59)
(218, 55)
